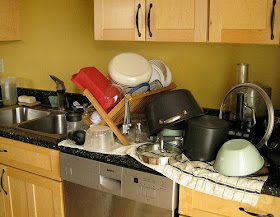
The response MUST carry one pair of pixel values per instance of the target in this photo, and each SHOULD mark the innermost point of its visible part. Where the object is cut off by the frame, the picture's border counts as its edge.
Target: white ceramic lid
(130, 69)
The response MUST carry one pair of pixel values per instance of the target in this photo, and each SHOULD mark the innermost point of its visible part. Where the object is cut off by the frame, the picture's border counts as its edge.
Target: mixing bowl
(99, 138)
(238, 157)
(129, 69)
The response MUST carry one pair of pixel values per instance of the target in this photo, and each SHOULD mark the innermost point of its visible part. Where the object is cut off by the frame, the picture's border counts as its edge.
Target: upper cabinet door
(9, 20)
(244, 21)
(177, 20)
(119, 20)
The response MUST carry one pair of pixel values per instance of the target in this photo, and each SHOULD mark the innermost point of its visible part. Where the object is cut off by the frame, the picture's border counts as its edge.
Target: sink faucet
(60, 90)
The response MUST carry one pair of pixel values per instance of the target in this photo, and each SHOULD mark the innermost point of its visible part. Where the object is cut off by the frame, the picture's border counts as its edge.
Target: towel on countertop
(117, 149)
(196, 175)
(202, 177)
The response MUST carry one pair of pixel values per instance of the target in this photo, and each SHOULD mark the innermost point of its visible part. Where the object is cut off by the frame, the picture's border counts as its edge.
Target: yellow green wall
(58, 39)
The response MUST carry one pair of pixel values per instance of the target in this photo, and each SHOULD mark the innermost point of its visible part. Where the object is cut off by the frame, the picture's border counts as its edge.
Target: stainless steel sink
(38, 121)
(20, 114)
(52, 124)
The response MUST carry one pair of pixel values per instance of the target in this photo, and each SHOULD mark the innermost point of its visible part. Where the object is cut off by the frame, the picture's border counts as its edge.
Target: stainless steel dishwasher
(97, 189)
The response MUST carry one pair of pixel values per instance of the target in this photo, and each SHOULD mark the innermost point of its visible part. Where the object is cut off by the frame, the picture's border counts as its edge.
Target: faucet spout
(60, 91)
(59, 83)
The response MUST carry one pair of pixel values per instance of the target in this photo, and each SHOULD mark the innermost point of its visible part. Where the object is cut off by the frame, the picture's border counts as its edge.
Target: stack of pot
(203, 134)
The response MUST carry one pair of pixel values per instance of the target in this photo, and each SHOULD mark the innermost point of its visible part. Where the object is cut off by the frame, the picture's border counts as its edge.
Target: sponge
(26, 99)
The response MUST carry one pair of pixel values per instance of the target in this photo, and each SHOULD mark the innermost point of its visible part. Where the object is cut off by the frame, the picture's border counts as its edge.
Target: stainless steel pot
(170, 108)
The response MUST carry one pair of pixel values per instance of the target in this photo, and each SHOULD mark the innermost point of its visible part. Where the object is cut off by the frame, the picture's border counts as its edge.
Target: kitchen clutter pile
(168, 131)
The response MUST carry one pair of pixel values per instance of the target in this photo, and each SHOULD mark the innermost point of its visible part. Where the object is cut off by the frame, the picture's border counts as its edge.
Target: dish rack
(116, 116)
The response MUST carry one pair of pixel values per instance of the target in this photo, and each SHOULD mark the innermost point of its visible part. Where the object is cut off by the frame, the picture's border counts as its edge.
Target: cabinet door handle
(137, 20)
(3, 171)
(272, 20)
(149, 20)
(3, 151)
(255, 214)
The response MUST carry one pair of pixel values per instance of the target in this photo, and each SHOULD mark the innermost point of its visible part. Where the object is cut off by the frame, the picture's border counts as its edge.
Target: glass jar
(9, 90)
(76, 128)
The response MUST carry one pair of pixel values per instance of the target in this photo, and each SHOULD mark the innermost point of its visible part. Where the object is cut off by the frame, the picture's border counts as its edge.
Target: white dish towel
(202, 177)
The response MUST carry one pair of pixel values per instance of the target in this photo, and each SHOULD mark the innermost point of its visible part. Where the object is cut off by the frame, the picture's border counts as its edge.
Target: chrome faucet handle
(59, 83)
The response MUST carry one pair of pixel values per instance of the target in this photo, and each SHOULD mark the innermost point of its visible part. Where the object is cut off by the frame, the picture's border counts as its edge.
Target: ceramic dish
(130, 69)
(238, 157)
(162, 71)
(156, 75)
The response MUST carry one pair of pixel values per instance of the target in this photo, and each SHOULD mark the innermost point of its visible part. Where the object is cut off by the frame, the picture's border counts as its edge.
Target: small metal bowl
(153, 154)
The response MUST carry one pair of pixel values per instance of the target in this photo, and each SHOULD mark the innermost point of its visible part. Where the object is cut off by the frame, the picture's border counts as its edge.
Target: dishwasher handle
(110, 185)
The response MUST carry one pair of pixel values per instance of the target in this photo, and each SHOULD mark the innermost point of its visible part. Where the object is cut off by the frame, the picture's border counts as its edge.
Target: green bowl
(238, 157)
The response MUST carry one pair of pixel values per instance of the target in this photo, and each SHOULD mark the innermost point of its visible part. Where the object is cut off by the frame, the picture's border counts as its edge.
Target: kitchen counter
(271, 186)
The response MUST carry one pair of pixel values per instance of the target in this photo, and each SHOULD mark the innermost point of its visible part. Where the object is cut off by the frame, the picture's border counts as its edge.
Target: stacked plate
(130, 70)
(160, 72)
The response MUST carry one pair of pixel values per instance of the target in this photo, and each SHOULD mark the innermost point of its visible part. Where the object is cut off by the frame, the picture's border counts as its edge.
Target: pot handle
(173, 119)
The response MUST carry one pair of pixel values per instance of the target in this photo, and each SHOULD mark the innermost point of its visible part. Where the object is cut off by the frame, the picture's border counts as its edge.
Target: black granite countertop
(271, 186)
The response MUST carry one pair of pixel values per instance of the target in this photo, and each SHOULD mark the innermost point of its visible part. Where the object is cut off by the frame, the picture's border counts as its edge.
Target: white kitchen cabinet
(151, 20)
(244, 21)
(10, 20)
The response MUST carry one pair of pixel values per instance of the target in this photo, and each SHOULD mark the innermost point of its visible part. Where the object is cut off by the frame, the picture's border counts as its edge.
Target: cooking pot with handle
(170, 108)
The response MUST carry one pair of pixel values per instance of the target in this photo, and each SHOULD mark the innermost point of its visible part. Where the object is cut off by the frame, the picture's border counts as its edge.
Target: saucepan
(204, 136)
(170, 108)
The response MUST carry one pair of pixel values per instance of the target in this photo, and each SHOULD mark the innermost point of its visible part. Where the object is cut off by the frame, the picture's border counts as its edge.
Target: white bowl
(238, 157)
(130, 69)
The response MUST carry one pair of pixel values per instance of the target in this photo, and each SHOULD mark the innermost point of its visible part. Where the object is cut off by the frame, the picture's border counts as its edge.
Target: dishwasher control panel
(151, 189)
(128, 183)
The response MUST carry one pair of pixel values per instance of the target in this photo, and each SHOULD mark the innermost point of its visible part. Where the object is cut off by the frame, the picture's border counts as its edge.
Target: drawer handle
(149, 20)
(3, 151)
(255, 214)
(272, 20)
(3, 171)
(137, 20)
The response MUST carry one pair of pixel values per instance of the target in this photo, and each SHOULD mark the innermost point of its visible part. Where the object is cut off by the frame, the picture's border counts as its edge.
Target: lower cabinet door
(30, 195)
(197, 204)
(5, 210)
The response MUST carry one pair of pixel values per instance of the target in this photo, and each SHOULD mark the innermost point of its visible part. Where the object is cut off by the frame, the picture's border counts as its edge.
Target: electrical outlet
(1, 65)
